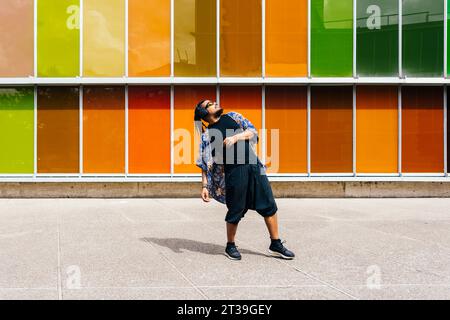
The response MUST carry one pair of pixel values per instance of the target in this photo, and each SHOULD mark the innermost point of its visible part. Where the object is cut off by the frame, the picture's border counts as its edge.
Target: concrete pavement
(173, 249)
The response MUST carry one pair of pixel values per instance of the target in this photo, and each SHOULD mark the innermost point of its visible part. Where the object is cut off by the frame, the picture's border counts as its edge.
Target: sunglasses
(209, 104)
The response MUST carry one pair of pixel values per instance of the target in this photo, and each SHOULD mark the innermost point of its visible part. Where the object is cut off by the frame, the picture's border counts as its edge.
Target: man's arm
(246, 125)
(246, 135)
(205, 192)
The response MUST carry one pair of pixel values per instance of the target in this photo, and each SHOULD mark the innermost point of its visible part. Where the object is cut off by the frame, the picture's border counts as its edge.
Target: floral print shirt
(215, 173)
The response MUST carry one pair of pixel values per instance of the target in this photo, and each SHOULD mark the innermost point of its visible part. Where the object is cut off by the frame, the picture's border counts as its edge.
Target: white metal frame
(445, 131)
(399, 111)
(445, 37)
(354, 131)
(218, 81)
(400, 39)
(355, 75)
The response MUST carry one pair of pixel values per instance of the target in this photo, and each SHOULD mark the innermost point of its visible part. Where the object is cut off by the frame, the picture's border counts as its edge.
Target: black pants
(247, 187)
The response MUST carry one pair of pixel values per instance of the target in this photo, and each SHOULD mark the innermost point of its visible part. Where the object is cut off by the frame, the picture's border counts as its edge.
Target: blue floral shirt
(215, 173)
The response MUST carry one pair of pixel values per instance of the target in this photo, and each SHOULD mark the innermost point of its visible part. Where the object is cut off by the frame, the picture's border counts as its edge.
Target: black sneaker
(232, 252)
(277, 249)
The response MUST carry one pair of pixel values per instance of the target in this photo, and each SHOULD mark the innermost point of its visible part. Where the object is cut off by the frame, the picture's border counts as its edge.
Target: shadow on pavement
(177, 245)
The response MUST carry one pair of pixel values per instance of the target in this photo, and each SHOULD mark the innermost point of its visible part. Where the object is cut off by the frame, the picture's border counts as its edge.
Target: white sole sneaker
(231, 258)
(280, 255)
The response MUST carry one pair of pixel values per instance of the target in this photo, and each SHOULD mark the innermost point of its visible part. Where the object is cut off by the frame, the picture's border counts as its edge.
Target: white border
(220, 80)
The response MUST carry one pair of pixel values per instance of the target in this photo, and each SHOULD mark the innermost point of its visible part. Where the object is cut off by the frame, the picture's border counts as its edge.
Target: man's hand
(228, 142)
(205, 195)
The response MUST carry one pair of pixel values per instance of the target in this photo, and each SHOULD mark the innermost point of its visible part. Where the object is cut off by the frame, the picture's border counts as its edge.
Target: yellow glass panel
(104, 38)
(195, 38)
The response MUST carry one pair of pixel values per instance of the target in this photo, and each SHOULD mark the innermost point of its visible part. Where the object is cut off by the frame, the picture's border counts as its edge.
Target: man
(233, 174)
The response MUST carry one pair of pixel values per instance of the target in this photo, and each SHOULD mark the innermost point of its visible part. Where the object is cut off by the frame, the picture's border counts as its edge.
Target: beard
(218, 113)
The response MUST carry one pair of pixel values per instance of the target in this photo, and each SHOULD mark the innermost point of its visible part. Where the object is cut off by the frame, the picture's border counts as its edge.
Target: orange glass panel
(149, 129)
(286, 111)
(16, 38)
(331, 129)
(185, 144)
(103, 130)
(58, 130)
(286, 38)
(377, 129)
(240, 38)
(422, 130)
(245, 100)
(149, 38)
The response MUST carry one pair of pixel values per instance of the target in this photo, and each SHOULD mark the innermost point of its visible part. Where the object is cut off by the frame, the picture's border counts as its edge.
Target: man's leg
(272, 226)
(231, 231)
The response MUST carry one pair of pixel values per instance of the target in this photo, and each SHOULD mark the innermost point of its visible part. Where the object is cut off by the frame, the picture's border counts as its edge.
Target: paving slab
(173, 249)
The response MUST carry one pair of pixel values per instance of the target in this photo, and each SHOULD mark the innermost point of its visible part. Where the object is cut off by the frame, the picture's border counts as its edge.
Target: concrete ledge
(310, 189)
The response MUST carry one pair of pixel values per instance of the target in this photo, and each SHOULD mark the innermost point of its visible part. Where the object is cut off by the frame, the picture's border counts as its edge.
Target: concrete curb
(310, 189)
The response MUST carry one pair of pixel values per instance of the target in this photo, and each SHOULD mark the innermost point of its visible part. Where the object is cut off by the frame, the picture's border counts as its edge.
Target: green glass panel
(423, 38)
(332, 38)
(16, 130)
(377, 38)
(58, 38)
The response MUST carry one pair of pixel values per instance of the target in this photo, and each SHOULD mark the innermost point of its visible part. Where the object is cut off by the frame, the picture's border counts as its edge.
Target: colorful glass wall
(135, 124)
(108, 87)
(134, 38)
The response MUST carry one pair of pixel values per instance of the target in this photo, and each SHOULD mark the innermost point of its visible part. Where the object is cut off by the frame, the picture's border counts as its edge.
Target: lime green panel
(16, 130)
(58, 38)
